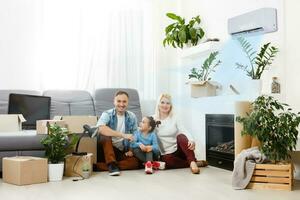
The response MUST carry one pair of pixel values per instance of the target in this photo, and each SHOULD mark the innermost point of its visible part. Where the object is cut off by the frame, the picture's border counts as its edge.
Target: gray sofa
(63, 102)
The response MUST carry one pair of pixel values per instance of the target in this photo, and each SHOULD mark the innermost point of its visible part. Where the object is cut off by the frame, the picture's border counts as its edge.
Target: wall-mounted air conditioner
(263, 20)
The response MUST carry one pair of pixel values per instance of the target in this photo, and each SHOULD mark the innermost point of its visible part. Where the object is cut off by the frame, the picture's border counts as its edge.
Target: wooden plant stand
(272, 176)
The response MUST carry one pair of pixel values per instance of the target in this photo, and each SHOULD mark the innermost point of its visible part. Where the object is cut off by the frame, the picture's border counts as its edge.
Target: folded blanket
(244, 166)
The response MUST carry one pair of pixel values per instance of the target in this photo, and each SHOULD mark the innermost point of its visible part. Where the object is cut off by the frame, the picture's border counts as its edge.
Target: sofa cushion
(104, 100)
(70, 102)
(4, 96)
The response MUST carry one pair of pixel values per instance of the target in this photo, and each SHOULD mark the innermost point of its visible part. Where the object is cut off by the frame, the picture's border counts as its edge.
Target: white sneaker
(158, 165)
(148, 168)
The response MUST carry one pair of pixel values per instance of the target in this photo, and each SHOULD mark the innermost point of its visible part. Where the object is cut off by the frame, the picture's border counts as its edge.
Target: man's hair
(120, 92)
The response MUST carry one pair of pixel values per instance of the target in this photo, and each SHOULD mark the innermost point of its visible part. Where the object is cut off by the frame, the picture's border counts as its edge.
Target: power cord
(74, 171)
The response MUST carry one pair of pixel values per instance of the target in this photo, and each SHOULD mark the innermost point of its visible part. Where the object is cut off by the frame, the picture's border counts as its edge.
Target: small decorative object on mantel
(275, 86)
(179, 33)
(203, 86)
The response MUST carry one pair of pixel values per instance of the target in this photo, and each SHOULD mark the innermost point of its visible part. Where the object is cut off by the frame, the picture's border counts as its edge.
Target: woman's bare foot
(194, 168)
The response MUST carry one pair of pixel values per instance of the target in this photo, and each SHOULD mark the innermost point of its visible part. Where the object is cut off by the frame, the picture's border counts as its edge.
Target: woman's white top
(167, 132)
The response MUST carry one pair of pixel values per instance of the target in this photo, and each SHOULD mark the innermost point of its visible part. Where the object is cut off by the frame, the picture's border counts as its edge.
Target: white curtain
(90, 44)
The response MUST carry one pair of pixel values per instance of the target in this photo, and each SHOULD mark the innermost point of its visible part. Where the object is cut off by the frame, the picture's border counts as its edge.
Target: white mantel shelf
(200, 50)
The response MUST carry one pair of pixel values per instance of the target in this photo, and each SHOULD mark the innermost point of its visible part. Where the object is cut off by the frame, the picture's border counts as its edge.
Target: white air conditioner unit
(263, 20)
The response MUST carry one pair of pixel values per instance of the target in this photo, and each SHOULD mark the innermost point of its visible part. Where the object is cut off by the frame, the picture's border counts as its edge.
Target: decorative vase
(255, 87)
(55, 171)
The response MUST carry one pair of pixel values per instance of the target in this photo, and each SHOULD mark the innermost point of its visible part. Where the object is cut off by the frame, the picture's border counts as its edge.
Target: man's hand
(191, 145)
(129, 153)
(128, 137)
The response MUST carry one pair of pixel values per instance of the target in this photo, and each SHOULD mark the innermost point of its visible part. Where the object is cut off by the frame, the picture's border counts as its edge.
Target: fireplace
(220, 140)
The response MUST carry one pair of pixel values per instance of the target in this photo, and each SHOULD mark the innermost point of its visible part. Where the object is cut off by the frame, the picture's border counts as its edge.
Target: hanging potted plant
(179, 33)
(258, 61)
(57, 144)
(201, 84)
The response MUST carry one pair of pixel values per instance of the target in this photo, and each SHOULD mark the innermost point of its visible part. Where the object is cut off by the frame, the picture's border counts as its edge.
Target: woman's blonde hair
(167, 96)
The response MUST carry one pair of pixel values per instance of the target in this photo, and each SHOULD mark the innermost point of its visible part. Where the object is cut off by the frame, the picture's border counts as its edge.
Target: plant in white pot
(258, 61)
(57, 144)
(202, 86)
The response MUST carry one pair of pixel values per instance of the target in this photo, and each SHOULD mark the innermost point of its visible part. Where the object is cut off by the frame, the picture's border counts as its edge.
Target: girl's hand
(149, 148)
(143, 147)
(191, 145)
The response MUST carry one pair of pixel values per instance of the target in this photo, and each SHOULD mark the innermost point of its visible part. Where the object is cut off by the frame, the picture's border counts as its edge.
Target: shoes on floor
(202, 163)
(158, 165)
(148, 167)
(113, 169)
(194, 168)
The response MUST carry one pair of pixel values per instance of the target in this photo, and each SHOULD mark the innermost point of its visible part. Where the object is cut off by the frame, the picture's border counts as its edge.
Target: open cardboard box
(11, 122)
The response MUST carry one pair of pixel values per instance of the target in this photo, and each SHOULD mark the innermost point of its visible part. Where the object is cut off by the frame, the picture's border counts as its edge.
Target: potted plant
(57, 144)
(203, 86)
(274, 125)
(180, 33)
(258, 61)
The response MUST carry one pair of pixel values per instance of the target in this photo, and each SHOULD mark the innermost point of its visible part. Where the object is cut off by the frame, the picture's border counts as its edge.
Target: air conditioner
(263, 20)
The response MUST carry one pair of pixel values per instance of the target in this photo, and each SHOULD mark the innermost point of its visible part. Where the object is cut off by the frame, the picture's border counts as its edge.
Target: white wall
(18, 42)
(214, 15)
(292, 55)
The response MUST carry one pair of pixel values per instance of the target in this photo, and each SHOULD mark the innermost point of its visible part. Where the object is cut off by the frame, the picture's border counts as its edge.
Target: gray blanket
(244, 166)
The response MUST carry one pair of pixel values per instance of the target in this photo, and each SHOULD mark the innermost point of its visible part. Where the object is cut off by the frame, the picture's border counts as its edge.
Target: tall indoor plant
(274, 125)
(258, 61)
(57, 144)
(180, 33)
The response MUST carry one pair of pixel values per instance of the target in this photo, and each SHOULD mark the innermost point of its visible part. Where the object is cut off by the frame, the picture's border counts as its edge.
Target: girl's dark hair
(153, 123)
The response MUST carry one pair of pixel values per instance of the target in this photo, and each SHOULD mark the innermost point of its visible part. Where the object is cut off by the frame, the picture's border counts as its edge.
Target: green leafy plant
(274, 125)
(258, 62)
(208, 66)
(57, 143)
(179, 33)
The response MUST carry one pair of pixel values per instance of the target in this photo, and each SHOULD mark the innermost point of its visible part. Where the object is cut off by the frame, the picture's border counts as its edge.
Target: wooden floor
(211, 184)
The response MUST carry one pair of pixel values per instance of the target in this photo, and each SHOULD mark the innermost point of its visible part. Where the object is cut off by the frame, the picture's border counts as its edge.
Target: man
(116, 127)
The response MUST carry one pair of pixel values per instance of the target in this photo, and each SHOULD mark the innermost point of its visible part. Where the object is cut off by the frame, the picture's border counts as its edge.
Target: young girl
(145, 146)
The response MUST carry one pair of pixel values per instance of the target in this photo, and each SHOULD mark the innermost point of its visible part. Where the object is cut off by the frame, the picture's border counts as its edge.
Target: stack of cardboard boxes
(24, 170)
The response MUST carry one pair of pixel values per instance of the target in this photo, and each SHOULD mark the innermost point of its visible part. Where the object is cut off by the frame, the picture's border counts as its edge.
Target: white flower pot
(85, 174)
(55, 171)
(255, 87)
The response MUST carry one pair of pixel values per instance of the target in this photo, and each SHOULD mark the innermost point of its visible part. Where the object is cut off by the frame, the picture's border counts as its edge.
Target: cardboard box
(25, 170)
(11, 122)
(89, 145)
(75, 123)
(41, 125)
(74, 164)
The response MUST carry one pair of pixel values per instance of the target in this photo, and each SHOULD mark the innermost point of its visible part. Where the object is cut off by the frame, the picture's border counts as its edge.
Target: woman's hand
(191, 145)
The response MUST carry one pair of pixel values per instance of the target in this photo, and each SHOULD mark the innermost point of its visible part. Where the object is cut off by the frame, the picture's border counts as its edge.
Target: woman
(176, 144)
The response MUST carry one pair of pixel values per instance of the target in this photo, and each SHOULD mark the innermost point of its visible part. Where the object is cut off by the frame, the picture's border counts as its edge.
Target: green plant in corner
(179, 33)
(258, 62)
(208, 66)
(57, 143)
(274, 125)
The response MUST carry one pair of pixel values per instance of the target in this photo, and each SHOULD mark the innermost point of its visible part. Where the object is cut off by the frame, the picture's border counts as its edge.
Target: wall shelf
(200, 50)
